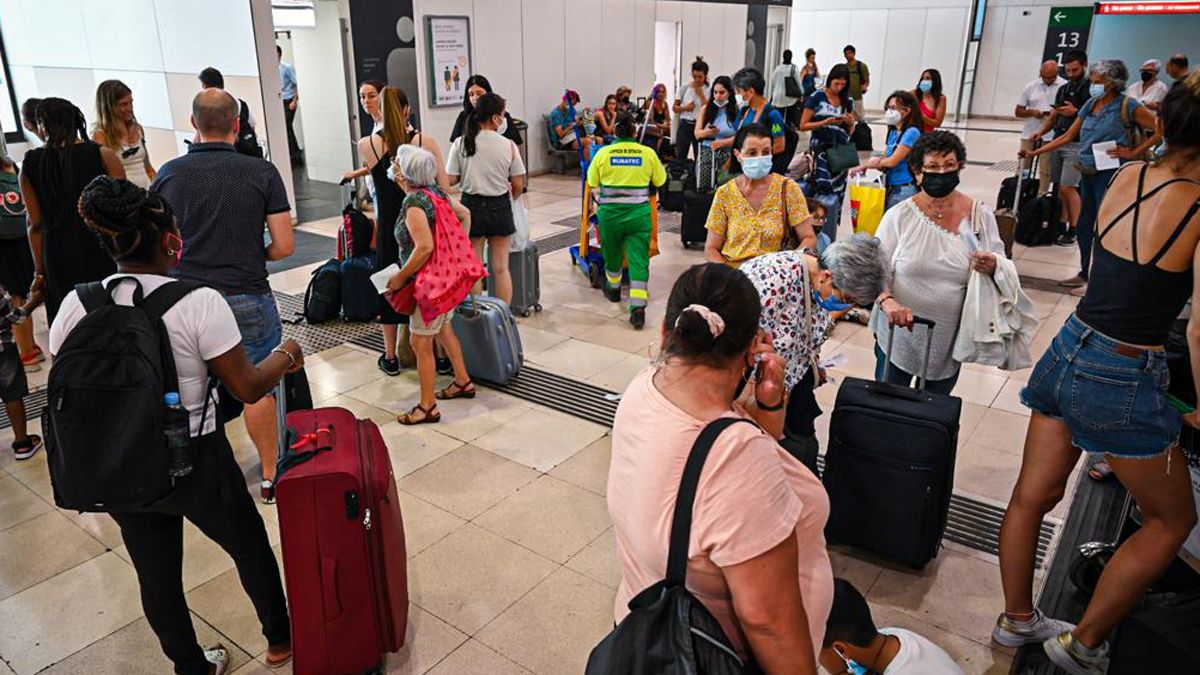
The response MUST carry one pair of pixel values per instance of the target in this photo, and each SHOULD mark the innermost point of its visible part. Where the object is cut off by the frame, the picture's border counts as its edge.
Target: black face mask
(1147, 76)
(938, 185)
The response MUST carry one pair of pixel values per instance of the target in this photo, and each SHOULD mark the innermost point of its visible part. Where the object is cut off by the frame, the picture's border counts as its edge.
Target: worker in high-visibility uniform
(621, 174)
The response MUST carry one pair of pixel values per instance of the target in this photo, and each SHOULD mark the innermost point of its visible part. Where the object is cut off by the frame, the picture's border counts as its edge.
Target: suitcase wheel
(537, 307)
(594, 276)
(527, 312)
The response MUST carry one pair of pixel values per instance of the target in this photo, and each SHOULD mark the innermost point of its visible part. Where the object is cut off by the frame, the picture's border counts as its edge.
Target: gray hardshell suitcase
(490, 341)
(526, 280)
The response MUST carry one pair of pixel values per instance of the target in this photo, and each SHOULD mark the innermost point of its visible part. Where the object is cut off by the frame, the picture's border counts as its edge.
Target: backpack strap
(164, 298)
(681, 521)
(93, 295)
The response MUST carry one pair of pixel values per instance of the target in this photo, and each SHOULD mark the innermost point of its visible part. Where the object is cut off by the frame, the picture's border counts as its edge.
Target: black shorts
(13, 384)
(490, 216)
(16, 266)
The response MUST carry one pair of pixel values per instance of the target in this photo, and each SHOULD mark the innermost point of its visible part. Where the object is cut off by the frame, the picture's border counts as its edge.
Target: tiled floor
(512, 565)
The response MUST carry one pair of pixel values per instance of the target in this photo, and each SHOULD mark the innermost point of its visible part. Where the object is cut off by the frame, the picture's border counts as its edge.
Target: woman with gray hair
(1108, 116)
(416, 172)
(799, 291)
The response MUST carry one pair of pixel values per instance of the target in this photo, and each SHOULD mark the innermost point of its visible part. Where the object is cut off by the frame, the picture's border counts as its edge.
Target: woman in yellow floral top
(748, 214)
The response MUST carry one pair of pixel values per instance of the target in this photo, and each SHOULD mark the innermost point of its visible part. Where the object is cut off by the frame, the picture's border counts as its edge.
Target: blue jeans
(1092, 190)
(897, 194)
(258, 321)
(1112, 403)
(895, 375)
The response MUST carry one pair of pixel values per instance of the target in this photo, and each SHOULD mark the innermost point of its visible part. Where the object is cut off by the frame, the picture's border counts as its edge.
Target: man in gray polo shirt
(221, 199)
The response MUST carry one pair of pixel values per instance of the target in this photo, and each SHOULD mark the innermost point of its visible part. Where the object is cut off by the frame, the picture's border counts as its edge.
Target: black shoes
(1067, 238)
(613, 294)
(637, 317)
(389, 366)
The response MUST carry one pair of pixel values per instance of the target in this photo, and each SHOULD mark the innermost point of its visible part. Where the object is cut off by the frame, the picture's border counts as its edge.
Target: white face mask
(741, 101)
(892, 117)
(503, 126)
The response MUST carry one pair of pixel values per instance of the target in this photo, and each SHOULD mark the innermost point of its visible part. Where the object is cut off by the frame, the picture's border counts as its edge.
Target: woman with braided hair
(137, 229)
(65, 253)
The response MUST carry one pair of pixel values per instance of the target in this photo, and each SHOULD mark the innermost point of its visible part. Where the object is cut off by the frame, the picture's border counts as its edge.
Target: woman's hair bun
(699, 58)
(692, 332)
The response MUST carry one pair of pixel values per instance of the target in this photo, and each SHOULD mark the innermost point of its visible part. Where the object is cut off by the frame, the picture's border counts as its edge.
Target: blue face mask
(756, 167)
(830, 304)
(1096, 90)
(925, 85)
(852, 667)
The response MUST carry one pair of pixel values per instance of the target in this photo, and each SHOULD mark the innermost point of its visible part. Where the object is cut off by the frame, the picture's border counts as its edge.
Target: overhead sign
(1067, 30)
(1148, 7)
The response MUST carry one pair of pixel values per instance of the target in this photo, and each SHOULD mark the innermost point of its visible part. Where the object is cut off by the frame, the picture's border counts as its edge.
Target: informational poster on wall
(385, 47)
(1067, 31)
(449, 58)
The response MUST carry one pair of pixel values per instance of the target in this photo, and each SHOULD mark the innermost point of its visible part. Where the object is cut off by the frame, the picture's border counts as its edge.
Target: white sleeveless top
(133, 158)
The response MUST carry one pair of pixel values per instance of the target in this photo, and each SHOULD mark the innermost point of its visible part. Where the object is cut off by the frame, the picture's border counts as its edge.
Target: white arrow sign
(1059, 16)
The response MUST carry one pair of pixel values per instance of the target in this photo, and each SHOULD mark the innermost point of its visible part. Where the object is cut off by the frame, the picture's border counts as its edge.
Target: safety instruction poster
(449, 62)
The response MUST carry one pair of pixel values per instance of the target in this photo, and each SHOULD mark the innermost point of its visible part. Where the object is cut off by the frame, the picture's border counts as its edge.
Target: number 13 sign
(1068, 30)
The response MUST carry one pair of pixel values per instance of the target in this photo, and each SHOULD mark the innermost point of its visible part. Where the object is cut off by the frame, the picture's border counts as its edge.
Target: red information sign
(1149, 7)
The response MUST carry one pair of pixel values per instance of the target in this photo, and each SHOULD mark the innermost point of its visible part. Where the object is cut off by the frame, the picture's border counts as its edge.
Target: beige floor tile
(99, 525)
(554, 628)
(986, 472)
(1009, 398)
(467, 481)
(411, 448)
(618, 376)
(424, 523)
(395, 394)
(474, 658)
(468, 419)
(578, 359)
(18, 503)
(345, 373)
(40, 548)
(427, 641)
(32, 473)
(540, 439)
(1044, 270)
(578, 296)
(860, 362)
(471, 576)
(588, 468)
(550, 517)
(564, 321)
(853, 567)
(974, 658)
(599, 561)
(225, 606)
(534, 340)
(58, 617)
(956, 593)
(980, 388)
(1002, 430)
(619, 334)
(972, 414)
(134, 650)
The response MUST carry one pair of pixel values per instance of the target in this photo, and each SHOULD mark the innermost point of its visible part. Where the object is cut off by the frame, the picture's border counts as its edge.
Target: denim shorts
(258, 320)
(1112, 403)
(1064, 165)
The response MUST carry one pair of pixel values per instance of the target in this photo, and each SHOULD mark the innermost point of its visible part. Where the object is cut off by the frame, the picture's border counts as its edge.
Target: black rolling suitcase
(695, 216)
(889, 468)
(1164, 638)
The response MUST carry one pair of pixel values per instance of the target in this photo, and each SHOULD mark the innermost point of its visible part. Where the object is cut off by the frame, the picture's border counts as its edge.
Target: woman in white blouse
(930, 262)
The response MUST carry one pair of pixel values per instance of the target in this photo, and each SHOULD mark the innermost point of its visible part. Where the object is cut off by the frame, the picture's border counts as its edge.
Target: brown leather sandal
(465, 390)
(429, 416)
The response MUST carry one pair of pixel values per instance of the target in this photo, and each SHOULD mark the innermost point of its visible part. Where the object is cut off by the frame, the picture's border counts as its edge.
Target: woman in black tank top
(1102, 387)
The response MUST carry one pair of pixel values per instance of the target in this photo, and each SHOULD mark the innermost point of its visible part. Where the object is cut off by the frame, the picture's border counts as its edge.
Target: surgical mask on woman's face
(756, 167)
(741, 100)
(938, 185)
(502, 125)
(830, 304)
(925, 85)
(1096, 89)
(391, 172)
(1147, 75)
(892, 117)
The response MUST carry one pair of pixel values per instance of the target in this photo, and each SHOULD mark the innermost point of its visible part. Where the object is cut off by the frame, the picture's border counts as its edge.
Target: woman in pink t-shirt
(757, 556)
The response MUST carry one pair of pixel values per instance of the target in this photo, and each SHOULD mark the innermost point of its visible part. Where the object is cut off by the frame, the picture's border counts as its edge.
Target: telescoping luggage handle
(907, 392)
(290, 443)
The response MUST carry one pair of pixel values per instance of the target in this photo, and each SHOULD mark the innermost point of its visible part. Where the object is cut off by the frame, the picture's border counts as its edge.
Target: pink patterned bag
(447, 277)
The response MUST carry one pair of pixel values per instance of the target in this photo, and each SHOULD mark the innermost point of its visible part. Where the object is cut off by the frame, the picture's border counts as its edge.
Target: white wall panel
(497, 55)
(24, 82)
(17, 47)
(76, 85)
(803, 33)
(643, 74)
(54, 35)
(902, 60)
(151, 103)
(667, 10)
(868, 32)
(221, 36)
(989, 59)
(545, 72)
(326, 130)
(123, 34)
(943, 49)
(1020, 58)
(733, 25)
(581, 59)
(619, 60)
(832, 33)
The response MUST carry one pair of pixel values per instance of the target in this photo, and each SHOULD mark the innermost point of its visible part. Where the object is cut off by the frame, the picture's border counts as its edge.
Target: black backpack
(668, 630)
(323, 298)
(104, 419)
(247, 140)
(355, 234)
(1038, 221)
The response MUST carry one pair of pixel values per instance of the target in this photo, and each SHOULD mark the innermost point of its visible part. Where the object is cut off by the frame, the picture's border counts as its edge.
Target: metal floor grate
(35, 403)
(1004, 166)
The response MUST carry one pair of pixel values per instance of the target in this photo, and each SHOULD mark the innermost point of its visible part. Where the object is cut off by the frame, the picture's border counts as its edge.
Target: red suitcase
(343, 544)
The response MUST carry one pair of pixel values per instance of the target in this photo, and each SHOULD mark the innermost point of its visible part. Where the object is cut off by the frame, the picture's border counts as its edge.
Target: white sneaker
(1066, 653)
(1040, 628)
(217, 656)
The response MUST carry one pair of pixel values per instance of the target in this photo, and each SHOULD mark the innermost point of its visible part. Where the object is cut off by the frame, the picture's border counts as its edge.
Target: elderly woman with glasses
(800, 291)
(933, 241)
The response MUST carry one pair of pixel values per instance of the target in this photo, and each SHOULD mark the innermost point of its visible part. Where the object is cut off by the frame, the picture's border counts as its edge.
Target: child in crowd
(13, 384)
(853, 645)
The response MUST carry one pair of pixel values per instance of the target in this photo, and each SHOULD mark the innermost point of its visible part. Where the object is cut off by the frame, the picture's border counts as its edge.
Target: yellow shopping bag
(866, 205)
